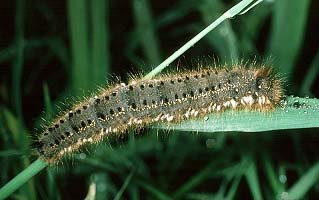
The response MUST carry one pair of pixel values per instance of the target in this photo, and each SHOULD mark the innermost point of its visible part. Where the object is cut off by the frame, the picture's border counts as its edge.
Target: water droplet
(283, 103)
(206, 118)
(283, 178)
(82, 156)
(296, 104)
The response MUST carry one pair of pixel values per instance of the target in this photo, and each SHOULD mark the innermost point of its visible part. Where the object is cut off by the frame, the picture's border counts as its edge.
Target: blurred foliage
(52, 50)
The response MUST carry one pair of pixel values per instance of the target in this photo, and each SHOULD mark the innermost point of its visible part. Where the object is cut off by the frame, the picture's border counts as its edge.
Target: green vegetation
(63, 52)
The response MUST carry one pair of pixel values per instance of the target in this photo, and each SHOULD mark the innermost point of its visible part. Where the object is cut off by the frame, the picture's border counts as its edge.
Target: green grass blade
(100, 181)
(271, 175)
(252, 179)
(98, 164)
(17, 66)
(21, 140)
(195, 180)
(234, 187)
(47, 102)
(175, 13)
(146, 31)
(223, 39)
(124, 186)
(235, 10)
(297, 113)
(79, 44)
(22, 178)
(305, 183)
(311, 76)
(153, 190)
(100, 52)
(287, 37)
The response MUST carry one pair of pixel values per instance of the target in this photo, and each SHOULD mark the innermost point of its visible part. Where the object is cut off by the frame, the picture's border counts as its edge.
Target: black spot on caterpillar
(167, 98)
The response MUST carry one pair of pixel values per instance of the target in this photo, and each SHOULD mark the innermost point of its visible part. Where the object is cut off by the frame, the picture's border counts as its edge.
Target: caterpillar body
(167, 98)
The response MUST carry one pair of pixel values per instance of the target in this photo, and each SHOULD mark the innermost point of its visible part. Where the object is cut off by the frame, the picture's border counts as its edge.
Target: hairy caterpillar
(167, 98)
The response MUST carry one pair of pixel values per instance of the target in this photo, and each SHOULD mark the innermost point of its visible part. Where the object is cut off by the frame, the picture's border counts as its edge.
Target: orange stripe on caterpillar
(169, 98)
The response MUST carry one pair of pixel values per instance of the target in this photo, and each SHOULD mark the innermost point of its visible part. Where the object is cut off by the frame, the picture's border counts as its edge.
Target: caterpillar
(167, 98)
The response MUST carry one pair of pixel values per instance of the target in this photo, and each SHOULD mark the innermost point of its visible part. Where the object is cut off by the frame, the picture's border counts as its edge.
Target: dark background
(37, 56)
